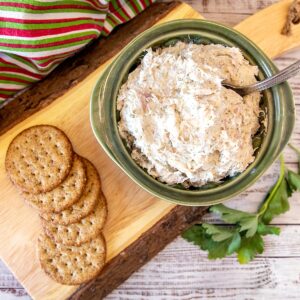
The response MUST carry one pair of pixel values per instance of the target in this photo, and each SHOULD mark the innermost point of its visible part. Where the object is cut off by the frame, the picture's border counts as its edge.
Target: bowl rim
(107, 76)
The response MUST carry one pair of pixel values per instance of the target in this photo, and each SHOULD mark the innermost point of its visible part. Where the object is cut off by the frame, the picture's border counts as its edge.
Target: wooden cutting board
(132, 212)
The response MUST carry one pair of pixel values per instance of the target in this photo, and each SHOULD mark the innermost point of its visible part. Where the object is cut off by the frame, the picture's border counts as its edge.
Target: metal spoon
(280, 77)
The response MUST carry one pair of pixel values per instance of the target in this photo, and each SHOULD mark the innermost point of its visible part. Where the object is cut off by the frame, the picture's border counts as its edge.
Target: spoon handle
(280, 77)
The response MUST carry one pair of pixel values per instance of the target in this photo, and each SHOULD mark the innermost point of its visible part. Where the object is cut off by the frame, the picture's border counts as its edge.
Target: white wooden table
(181, 270)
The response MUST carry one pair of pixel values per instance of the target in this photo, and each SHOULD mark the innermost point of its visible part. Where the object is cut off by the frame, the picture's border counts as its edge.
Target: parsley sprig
(243, 232)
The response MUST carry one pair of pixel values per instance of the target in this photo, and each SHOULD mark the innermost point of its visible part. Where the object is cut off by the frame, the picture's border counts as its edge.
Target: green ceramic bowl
(104, 117)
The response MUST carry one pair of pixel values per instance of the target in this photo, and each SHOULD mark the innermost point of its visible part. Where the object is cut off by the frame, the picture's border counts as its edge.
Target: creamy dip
(182, 126)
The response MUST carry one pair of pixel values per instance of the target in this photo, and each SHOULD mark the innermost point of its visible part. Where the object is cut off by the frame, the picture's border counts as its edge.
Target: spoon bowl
(267, 83)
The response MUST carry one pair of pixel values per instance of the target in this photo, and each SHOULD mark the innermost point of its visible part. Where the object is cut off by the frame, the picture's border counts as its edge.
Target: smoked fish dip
(181, 124)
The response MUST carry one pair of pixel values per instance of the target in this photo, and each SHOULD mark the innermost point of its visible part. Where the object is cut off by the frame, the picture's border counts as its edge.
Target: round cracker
(70, 264)
(85, 205)
(81, 232)
(65, 194)
(39, 158)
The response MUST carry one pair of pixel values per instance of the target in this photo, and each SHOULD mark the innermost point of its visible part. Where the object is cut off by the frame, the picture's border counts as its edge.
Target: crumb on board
(293, 17)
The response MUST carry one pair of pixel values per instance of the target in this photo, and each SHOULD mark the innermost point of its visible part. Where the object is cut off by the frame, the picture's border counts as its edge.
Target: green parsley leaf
(249, 225)
(218, 233)
(249, 248)
(276, 202)
(197, 235)
(213, 239)
(245, 231)
(230, 215)
(247, 221)
(267, 229)
(294, 180)
(234, 244)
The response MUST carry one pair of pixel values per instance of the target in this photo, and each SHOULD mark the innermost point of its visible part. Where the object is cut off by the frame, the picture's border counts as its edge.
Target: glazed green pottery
(278, 102)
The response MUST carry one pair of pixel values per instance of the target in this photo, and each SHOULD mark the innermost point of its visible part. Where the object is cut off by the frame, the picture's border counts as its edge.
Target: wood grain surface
(181, 271)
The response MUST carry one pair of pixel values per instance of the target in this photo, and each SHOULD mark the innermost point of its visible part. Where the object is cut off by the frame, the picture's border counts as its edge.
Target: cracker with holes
(84, 205)
(72, 264)
(39, 159)
(82, 231)
(63, 196)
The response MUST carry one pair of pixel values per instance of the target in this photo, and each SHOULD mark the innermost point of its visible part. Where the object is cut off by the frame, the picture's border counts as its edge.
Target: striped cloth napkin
(35, 36)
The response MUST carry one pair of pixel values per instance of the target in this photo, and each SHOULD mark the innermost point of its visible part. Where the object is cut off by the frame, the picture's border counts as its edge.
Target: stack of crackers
(66, 190)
